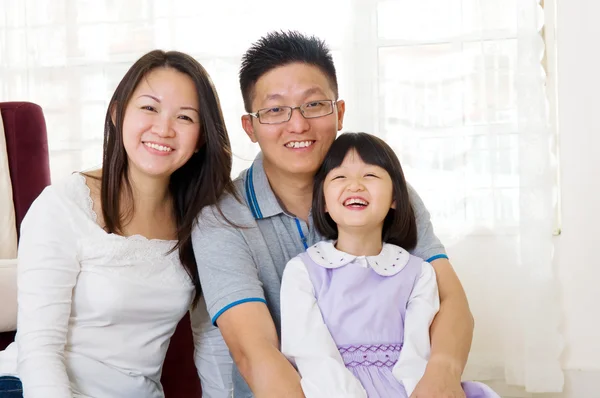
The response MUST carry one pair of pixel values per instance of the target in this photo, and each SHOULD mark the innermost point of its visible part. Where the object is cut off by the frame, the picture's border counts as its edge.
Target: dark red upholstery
(27, 144)
(179, 377)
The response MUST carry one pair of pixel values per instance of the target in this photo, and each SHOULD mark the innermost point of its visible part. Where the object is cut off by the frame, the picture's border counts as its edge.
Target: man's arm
(452, 328)
(250, 334)
(236, 302)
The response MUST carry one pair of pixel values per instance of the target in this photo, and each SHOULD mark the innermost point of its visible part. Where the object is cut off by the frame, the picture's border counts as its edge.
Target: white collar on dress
(390, 261)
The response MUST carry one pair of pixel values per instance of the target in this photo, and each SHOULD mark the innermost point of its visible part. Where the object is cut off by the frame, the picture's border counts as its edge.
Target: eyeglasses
(282, 114)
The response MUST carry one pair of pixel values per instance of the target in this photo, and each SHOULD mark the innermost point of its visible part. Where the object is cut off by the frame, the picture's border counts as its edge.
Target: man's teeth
(355, 201)
(158, 147)
(299, 144)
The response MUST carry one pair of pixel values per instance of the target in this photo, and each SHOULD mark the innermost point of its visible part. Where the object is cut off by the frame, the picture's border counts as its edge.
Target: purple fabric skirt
(373, 364)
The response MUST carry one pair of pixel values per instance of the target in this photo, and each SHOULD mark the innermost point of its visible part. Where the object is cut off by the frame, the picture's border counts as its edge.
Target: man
(290, 92)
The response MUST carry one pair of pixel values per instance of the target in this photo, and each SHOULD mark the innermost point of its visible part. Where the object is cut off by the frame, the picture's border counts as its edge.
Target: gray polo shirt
(245, 262)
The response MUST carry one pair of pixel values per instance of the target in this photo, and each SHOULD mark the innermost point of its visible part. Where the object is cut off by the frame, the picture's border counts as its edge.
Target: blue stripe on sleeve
(246, 300)
(430, 259)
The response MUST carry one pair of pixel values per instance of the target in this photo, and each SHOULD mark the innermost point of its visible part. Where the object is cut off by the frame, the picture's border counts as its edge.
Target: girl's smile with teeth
(355, 202)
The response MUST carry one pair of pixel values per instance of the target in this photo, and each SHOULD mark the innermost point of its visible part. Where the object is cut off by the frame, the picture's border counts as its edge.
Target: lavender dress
(369, 335)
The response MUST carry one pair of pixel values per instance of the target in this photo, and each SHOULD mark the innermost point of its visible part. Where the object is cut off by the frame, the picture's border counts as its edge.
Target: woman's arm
(213, 362)
(422, 306)
(46, 275)
(306, 341)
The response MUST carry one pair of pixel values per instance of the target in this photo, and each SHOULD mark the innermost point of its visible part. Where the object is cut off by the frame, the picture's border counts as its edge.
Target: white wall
(575, 80)
(578, 247)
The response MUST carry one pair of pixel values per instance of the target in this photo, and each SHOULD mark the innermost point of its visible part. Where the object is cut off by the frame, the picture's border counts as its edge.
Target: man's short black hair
(279, 49)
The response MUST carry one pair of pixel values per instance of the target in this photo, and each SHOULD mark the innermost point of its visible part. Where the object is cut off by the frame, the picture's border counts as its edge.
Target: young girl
(106, 268)
(356, 309)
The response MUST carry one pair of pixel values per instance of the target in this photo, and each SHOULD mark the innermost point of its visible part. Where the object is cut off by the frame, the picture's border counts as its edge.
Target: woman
(106, 267)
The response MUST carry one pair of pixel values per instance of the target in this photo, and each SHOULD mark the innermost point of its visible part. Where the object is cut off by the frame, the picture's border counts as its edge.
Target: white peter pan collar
(390, 261)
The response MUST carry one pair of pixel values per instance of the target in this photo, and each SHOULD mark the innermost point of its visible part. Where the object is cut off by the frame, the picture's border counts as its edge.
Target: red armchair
(27, 144)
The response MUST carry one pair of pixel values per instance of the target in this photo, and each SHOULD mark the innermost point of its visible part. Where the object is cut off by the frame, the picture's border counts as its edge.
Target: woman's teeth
(158, 147)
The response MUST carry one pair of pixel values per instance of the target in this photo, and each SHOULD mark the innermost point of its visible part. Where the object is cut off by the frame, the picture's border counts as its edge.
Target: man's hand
(250, 334)
(439, 381)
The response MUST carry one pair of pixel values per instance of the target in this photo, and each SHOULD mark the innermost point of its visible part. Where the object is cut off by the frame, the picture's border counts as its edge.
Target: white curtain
(455, 86)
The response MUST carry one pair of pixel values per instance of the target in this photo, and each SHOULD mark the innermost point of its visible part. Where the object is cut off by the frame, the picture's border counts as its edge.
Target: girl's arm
(422, 306)
(211, 355)
(46, 274)
(306, 341)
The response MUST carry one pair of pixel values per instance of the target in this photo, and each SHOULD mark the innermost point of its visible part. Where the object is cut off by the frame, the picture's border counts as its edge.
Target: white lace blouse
(97, 310)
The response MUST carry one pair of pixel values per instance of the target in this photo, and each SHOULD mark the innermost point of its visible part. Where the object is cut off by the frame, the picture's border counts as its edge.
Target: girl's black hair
(399, 226)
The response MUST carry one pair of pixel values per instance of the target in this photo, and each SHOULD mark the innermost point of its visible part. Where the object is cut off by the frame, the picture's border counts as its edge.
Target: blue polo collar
(260, 197)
